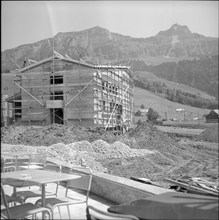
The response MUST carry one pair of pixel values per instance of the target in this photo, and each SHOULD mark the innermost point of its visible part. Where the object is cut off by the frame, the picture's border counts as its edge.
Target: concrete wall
(120, 189)
(117, 189)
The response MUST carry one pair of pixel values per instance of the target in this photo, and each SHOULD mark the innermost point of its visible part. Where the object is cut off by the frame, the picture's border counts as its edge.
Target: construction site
(59, 104)
(61, 90)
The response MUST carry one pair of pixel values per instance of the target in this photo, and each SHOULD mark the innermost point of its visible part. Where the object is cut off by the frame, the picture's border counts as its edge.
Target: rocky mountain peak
(99, 43)
(96, 30)
(176, 29)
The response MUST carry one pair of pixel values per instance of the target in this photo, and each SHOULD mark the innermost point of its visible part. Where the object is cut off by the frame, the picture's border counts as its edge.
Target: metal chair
(36, 161)
(92, 213)
(8, 169)
(14, 197)
(83, 184)
(20, 211)
(2, 163)
(7, 164)
(11, 200)
(9, 161)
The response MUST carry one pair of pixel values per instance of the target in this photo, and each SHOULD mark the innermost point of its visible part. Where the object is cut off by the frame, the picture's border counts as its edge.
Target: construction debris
(143, 152)
(195, 185)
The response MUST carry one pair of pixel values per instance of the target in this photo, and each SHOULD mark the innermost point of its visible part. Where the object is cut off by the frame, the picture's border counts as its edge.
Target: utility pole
(53, 77)
(174, 73)
(166, 116)
(80, 89)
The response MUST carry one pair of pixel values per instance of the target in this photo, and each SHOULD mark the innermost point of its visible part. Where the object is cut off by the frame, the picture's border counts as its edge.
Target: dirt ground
(142, 152)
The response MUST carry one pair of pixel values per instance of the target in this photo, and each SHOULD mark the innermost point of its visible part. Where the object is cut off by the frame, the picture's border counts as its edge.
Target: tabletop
(35, 176)
(171, 205)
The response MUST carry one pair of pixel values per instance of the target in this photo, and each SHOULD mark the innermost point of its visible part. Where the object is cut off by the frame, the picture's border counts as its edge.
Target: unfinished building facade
(66, 91)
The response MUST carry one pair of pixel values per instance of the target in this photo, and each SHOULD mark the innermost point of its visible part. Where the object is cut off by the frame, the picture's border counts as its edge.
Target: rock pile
(143, 152)
(83, 152)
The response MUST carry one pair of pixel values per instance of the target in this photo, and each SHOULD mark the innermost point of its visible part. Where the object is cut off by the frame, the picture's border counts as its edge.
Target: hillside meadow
(164, 106)
(150, 77)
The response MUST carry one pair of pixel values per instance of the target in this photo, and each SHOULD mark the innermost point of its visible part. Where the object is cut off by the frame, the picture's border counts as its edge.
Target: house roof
(50, 59)
(212, 114)
(216, 111)
(142, 110)
(70, 60)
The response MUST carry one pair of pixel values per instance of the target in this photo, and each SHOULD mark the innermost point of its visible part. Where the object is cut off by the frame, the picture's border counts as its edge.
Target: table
(39, 177)
(16, 155)
(171, 205)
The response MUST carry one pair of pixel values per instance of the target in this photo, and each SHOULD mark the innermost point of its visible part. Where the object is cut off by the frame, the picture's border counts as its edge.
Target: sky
(24, 22)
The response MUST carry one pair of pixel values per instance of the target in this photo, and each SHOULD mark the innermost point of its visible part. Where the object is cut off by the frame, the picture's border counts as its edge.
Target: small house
(213, 116)
(143, 111)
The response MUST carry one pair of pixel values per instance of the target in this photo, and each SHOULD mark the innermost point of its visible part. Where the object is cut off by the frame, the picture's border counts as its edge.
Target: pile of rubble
(143, 152)
(52, 134)
(83, 152)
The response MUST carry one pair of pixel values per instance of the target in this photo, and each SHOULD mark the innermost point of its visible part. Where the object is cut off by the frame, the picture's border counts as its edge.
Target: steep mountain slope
(99, 45)
(200, 73)
(183, 43)
(149, 77)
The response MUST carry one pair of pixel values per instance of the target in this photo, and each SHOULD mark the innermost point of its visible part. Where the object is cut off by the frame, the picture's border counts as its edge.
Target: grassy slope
(162, 105)
(171, 85)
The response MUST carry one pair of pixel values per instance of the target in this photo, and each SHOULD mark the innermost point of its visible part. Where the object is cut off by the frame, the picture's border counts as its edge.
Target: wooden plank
(87, 98)
(84, 115)
(75, 105)
(32, 117)
(191, 187)
(77, 81)
(35, 75)
(54, 104)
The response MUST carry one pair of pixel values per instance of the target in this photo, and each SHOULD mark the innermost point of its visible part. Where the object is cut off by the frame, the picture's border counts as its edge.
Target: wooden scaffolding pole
(116, 107)
(53, 72)
(29, 93)
(80, 90)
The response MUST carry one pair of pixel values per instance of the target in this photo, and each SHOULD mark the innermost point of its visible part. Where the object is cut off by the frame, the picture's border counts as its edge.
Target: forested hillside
(199, 73)
(176, 95)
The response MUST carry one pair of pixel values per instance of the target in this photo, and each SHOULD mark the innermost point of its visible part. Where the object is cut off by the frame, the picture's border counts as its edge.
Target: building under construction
(61, 90)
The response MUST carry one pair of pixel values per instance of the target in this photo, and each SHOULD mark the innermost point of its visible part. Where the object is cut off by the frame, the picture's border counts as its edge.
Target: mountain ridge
(99, 45)
(178, 42)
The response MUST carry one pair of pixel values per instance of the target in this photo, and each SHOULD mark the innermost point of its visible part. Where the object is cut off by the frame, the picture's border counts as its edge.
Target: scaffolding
(62, 90)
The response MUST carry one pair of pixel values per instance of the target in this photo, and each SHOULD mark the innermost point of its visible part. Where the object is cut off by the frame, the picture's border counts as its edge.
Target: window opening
(58, 95)
(57, 79)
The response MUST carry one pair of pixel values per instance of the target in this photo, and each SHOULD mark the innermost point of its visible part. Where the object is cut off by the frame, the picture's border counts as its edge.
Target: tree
(153, 116)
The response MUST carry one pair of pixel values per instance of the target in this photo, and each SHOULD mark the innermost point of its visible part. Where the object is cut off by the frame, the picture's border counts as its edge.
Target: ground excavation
(142, 152)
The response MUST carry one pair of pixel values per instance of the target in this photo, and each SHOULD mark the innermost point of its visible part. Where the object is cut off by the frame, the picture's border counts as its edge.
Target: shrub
(153, 116)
